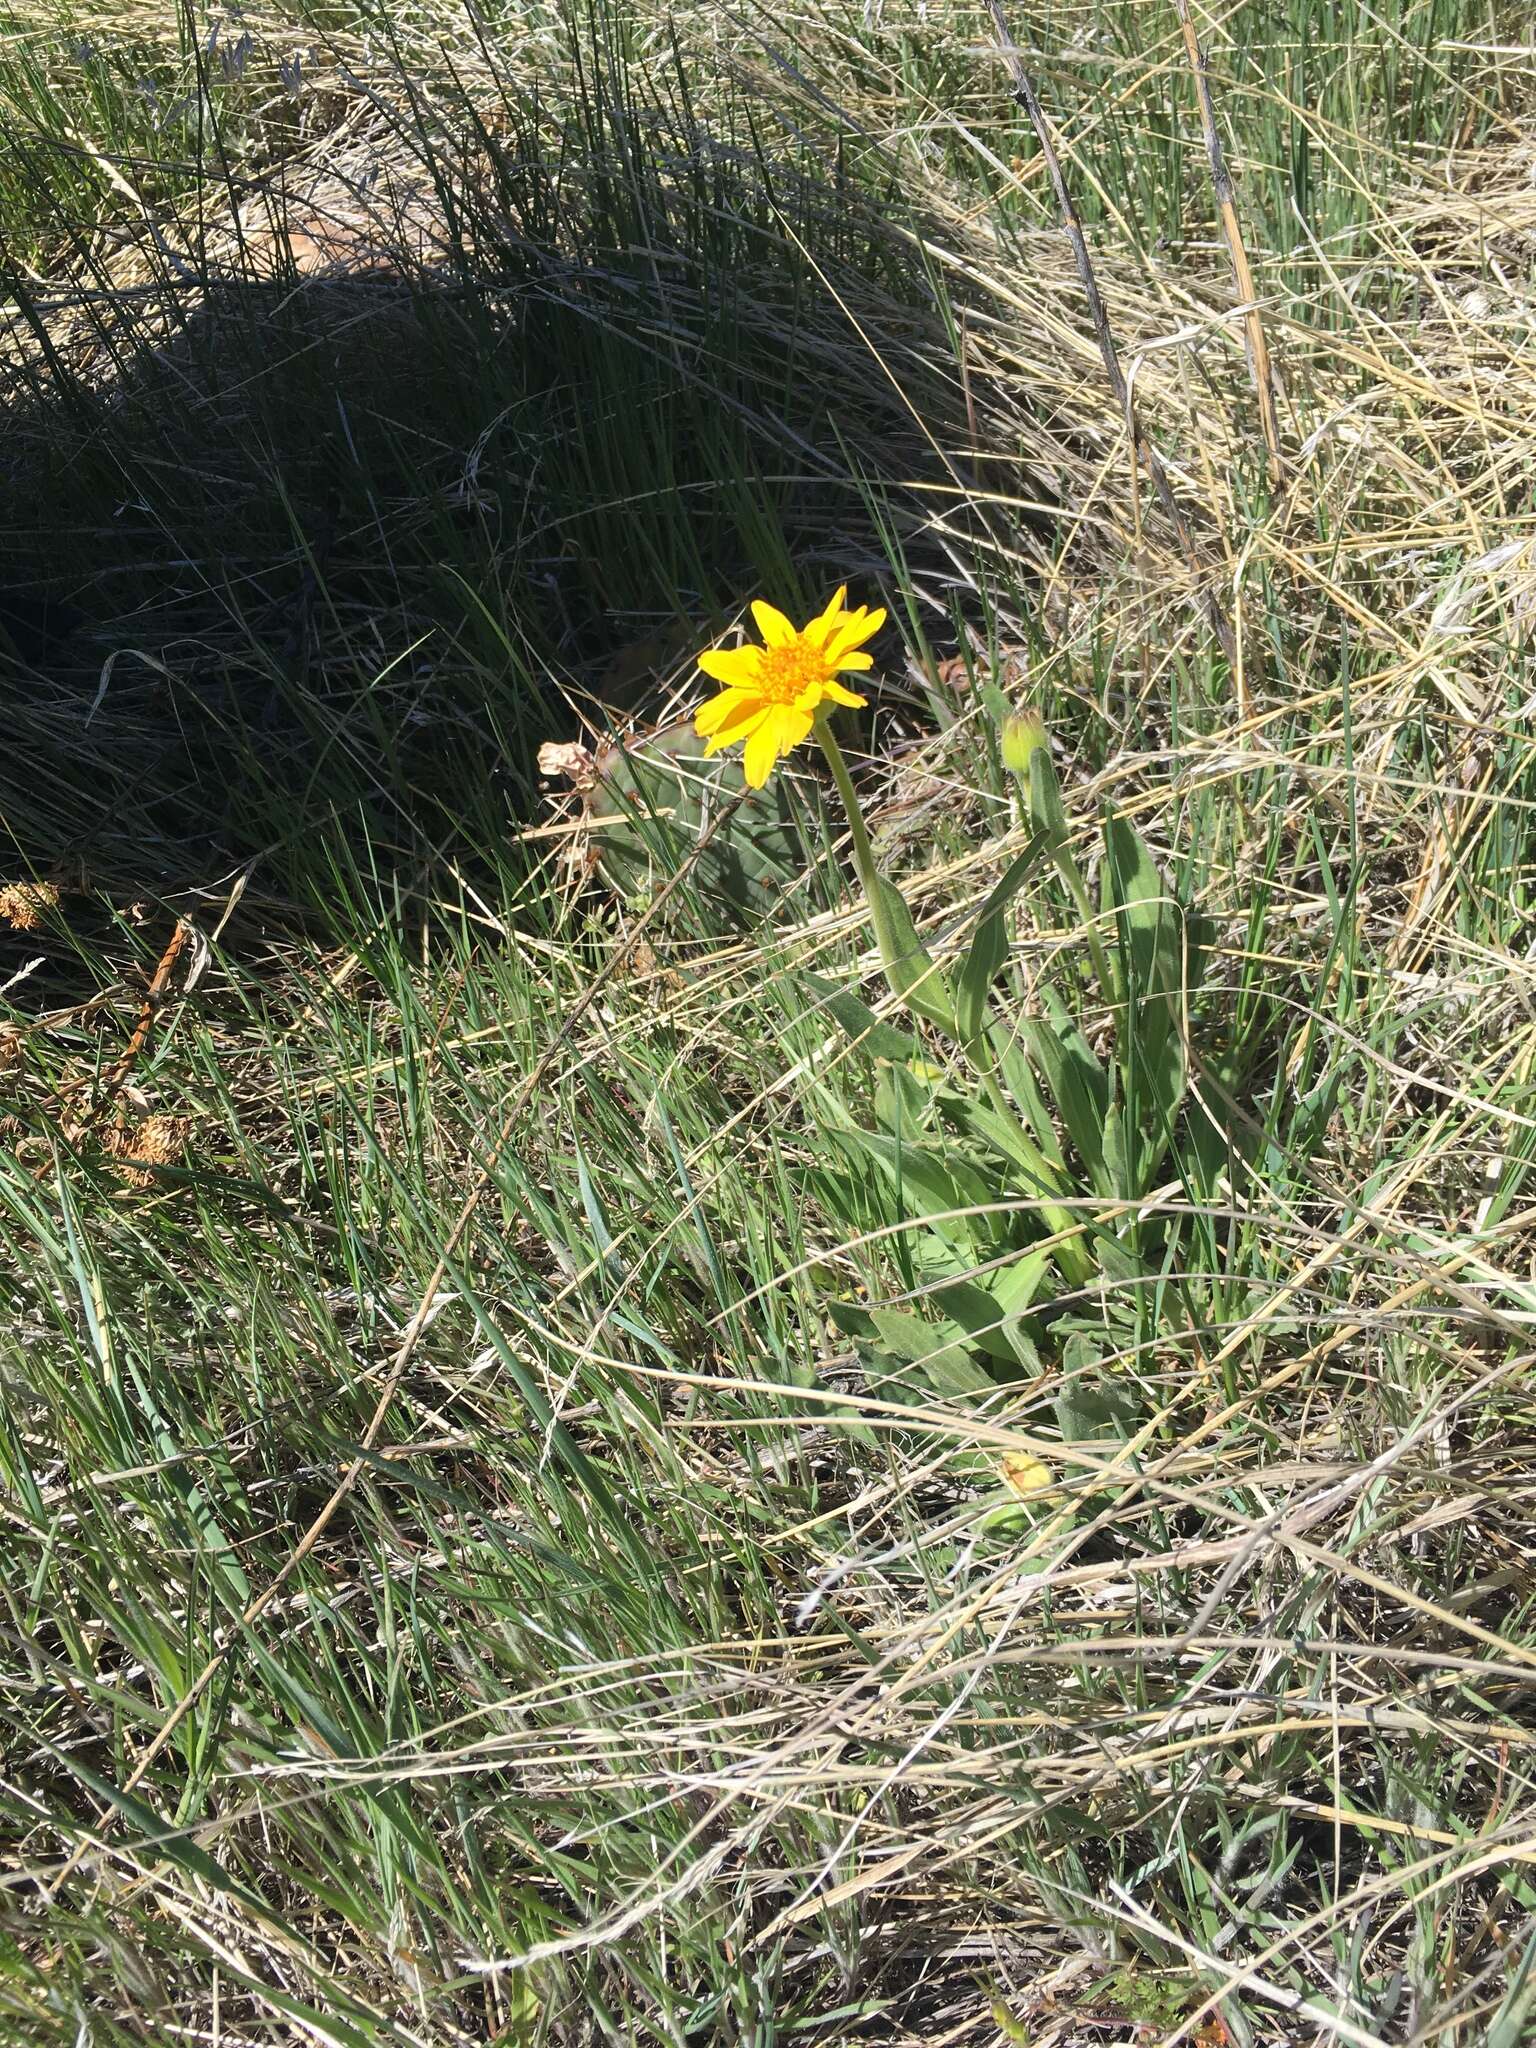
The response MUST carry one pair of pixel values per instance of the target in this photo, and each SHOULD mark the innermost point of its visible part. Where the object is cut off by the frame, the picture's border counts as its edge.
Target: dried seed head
(23, 905)
(568, 758)
(159, 1141)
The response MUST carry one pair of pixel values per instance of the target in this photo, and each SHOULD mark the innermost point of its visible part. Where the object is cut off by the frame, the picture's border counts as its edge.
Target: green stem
(863, 851)
(909, 967)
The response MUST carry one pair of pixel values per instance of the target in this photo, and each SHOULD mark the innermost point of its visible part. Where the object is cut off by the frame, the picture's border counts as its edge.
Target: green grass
(503, 1537)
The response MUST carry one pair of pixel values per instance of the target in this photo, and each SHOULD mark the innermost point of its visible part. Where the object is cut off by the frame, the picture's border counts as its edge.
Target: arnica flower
(774, 694)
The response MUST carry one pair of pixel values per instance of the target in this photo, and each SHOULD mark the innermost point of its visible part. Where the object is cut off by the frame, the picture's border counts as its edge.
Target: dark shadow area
(326, 530)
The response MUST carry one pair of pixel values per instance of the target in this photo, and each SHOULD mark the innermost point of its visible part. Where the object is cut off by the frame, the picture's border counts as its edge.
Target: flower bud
(1026, 751)
(1023, 737)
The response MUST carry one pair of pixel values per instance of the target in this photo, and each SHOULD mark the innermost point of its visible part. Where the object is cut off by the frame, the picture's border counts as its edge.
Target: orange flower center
(787, 672)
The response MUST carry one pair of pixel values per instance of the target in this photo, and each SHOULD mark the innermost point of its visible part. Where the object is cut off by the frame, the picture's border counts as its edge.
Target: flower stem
(909, 967)
(863, 851)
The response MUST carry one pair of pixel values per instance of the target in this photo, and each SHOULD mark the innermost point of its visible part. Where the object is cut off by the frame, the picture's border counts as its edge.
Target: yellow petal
(825, 622)
(841, 696)
(749, 713)
(762, 750)
(857, 660)
(794, 722)
(774, 627)
(742, 726)
(711, 716)
(846, 632)
(784, 726)
(859, 626)
(738, 721)
(732, 665)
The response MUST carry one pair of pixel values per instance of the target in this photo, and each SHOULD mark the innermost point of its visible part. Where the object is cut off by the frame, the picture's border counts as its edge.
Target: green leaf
(1162, 954)
(1014, 1066)
(903, 1106)
(1096, 1411)
(1010, 1142)
(1044, 797)
(1078, 1084)
(1131, 876)
(1014, 1287)
(1118, 1263)
(170, 1844)
(909, 966)
(930, 1183)
(656, 798)
(1511, 2023)
(987, 952)
(850, 1317)
(990, 1308)
(1126, 1178)
(1095, 1404)
(989, 949)
(872, 1035)
(995, 701)
(939, 1351)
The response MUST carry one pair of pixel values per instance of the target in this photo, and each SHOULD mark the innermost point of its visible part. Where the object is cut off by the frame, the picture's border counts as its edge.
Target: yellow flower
(773, 694)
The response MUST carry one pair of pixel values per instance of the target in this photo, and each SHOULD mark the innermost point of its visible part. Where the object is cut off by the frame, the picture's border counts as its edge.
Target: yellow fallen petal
(1025, 1475)
(733, 665)
(774, 627)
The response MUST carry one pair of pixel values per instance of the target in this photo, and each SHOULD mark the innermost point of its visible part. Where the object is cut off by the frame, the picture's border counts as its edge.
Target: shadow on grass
(326, 528)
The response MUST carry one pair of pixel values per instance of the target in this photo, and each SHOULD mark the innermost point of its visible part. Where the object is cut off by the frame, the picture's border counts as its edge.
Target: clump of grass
(491, 1551)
